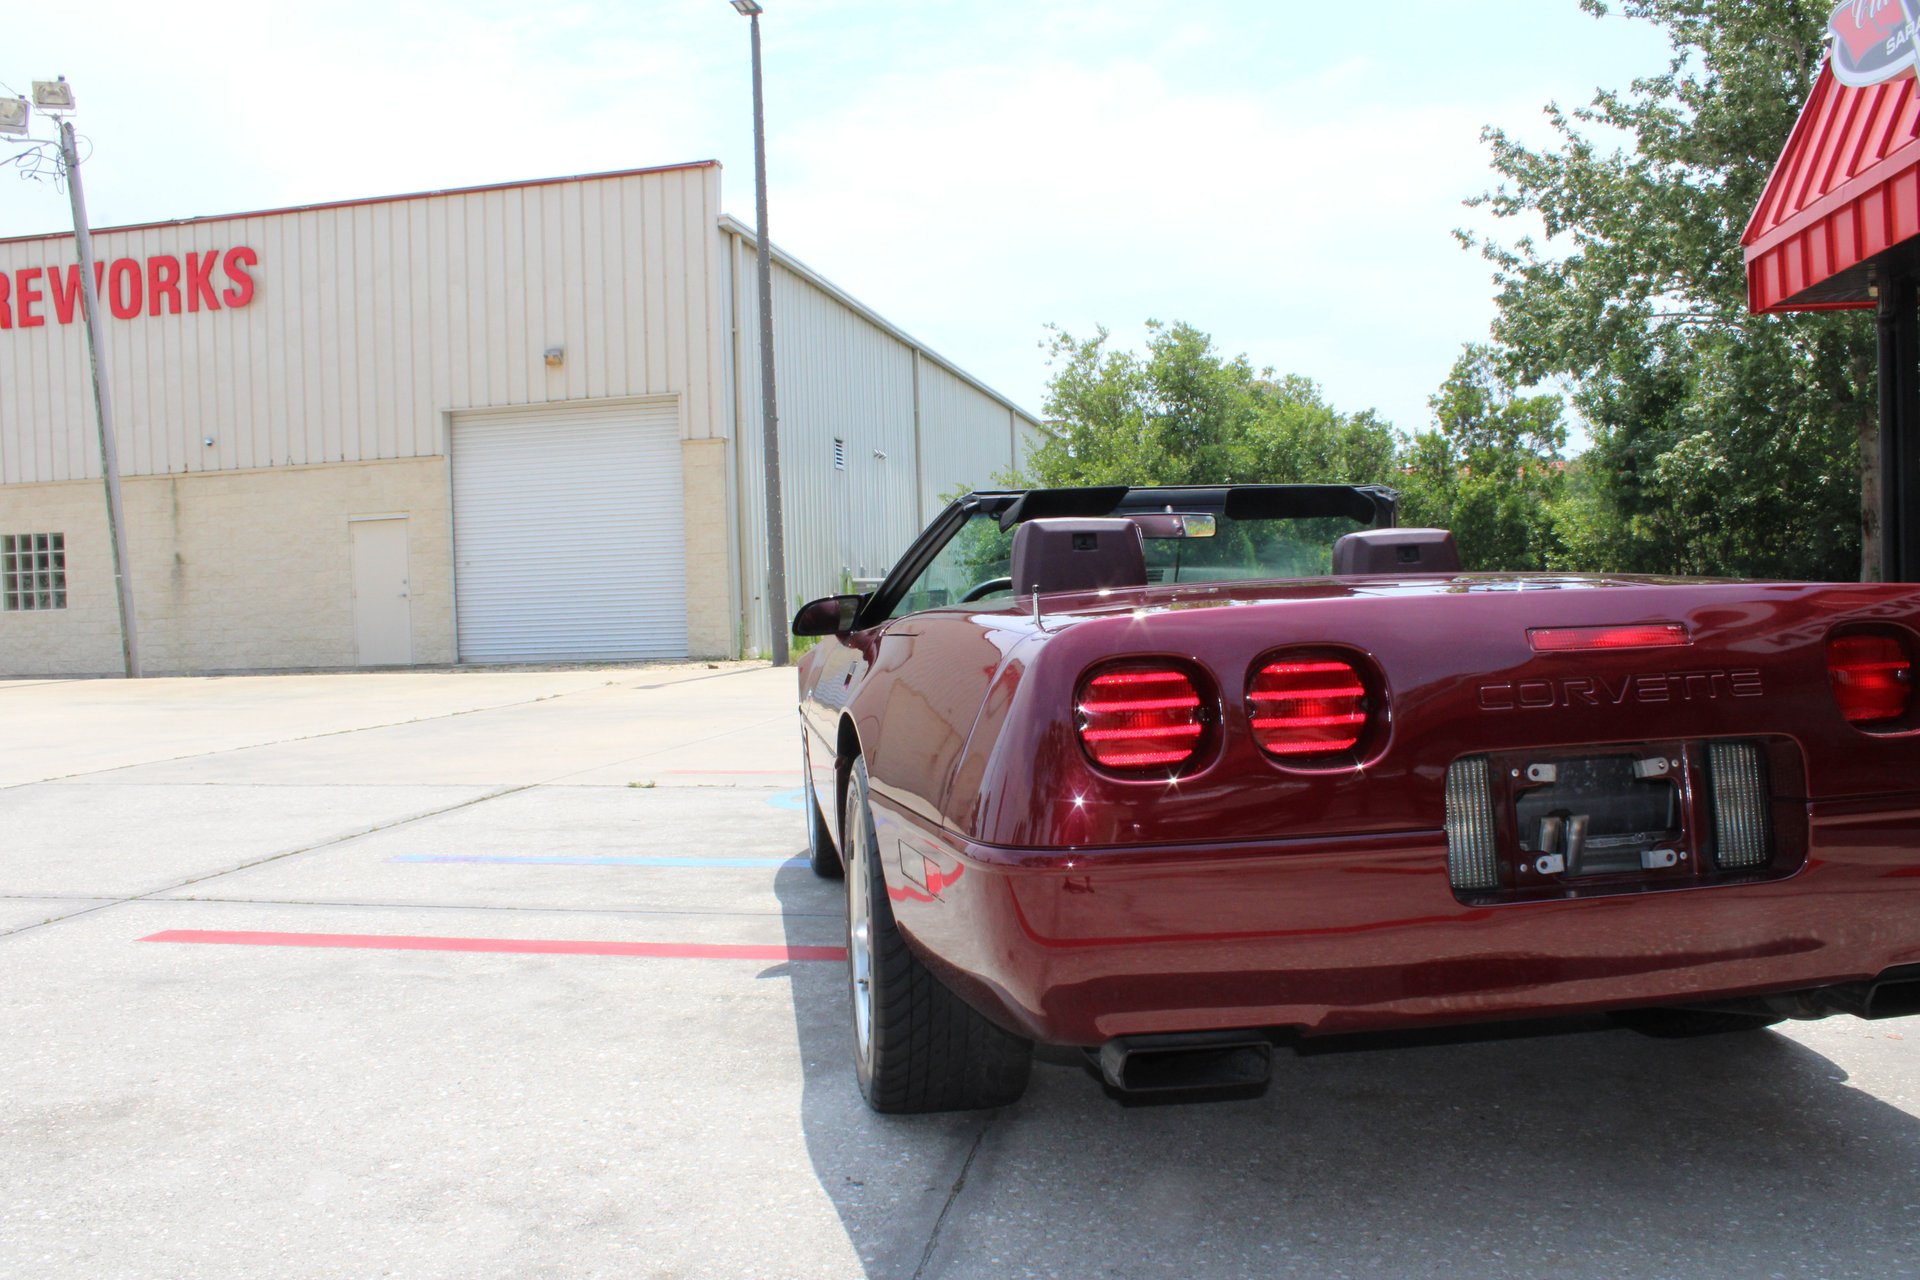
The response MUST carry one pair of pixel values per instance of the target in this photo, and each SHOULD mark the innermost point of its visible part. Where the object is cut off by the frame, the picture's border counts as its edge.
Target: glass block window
(33, 571)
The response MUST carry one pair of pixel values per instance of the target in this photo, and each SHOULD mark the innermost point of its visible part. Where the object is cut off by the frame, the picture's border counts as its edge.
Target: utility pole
(769, 414)
(55, 98)
(102, 399)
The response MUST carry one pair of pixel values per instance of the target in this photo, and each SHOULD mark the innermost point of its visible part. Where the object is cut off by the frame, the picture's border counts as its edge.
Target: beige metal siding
(844, 373)
(966, 440)
(840, 378)
(1028, 435)
(370, 321)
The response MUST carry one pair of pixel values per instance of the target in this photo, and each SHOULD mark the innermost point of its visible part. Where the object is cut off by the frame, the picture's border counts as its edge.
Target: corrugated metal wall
(966, 440)
(906, 434)
(370, 320)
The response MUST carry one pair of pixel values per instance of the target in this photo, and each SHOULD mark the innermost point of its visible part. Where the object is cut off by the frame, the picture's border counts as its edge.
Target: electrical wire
(38, 159)
(38, 162)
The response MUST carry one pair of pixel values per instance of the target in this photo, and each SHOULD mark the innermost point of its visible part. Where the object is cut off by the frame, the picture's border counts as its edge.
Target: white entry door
(382, 610)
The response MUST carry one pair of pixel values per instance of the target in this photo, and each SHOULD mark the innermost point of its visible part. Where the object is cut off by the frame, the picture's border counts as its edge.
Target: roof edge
(349, 204)
(1823, 85)
(730, 225)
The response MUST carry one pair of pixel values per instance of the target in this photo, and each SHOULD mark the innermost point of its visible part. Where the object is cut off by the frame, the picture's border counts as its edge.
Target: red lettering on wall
(28, 294)
(159, 284)
(163, 281)
(200, 280)
(240, 292)
(66, 291)
(124, 284)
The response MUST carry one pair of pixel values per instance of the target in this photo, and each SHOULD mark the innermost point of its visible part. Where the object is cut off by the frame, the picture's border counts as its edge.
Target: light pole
(55, 98)
(769, 414)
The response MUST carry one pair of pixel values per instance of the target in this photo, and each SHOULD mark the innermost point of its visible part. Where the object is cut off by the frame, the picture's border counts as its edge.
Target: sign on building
(1873, 40)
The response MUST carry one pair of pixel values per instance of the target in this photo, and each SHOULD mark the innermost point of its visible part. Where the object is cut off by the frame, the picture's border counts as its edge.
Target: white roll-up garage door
(568, 538)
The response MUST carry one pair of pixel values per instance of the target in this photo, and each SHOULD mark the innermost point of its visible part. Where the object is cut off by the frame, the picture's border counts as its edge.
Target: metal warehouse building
(501, 424)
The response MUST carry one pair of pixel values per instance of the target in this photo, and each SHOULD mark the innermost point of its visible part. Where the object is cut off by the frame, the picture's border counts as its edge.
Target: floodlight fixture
(53, 95)
(14, 116)
(748, 7)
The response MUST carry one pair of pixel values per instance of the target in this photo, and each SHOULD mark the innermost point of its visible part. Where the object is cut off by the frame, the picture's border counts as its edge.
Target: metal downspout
(1899, 342)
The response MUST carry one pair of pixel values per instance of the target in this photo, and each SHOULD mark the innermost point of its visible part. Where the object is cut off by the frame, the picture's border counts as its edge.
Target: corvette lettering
(1600, 691)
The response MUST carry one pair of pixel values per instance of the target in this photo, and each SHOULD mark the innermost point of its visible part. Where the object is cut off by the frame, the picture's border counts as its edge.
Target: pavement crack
(276, 742)
(390, 724)
(527, 909)
(328, 843)
(959, 1185)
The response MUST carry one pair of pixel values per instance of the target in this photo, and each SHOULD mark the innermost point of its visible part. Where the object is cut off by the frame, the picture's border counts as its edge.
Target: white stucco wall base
(234, 571)
(710, 619)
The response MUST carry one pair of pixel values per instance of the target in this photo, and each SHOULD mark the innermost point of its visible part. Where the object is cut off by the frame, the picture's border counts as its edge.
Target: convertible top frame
(1375, 505)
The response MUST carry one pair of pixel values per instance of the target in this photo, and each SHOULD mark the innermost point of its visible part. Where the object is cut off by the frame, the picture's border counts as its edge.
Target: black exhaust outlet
(1187, 1061)
(1895, 994)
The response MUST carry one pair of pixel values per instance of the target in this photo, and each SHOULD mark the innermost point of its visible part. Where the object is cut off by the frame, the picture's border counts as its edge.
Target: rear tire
(1686, 1024)
(917, 1047)
(822, 856)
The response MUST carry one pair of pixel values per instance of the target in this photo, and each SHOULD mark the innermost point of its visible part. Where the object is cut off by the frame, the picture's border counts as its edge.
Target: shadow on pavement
(1575, 1149)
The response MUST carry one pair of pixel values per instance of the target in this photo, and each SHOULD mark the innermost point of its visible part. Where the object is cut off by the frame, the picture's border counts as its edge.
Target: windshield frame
(1374, 506)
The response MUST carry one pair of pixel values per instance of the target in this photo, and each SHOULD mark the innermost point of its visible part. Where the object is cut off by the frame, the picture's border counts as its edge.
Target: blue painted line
(794, 801)
(601, 860)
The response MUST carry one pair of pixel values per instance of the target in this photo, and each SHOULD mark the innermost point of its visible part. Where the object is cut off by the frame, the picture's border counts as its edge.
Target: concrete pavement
(283, 1108)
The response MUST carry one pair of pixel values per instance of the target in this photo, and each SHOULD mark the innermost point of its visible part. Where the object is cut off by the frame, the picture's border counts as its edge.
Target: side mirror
(827, 616)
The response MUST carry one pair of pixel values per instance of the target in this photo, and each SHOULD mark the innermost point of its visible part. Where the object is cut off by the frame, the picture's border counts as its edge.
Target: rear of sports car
(1188, 823)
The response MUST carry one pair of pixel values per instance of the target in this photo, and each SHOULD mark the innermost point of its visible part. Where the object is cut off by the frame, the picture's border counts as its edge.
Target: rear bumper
(1364, 933)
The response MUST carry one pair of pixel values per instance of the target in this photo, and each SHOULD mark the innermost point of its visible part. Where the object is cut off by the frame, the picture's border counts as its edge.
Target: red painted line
(508, 946)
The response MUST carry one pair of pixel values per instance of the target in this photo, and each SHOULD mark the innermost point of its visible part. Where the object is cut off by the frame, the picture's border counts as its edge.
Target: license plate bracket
(1537, 824)
(1600, 816)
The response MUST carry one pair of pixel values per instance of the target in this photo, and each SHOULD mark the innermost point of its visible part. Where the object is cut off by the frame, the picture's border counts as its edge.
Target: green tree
(1491, 471)
(1179, 413)
(1722, 442)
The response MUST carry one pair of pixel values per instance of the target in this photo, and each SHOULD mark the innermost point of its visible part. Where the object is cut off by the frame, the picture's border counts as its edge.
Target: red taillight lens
(1141, 717)
(1872, 676)
(1307, 707)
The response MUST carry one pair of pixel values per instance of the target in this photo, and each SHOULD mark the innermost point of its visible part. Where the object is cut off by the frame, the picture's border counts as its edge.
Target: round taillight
(1140, 716)
(1872, 677)
(1302, 707)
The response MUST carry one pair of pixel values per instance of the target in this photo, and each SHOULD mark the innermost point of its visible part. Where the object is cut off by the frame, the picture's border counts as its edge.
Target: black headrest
(1069, 554)
(1396, 551)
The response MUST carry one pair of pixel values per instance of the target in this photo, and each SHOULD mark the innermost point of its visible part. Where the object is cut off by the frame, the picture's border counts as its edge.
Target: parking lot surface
(518, 974)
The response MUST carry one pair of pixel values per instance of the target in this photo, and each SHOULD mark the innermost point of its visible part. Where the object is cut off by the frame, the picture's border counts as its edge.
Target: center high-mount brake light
(1872, 677)
(1141, 716)
(1646, 635)
(1307, 706)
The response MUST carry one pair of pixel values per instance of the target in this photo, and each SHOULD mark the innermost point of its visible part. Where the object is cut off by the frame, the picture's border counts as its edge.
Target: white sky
(1283, 175)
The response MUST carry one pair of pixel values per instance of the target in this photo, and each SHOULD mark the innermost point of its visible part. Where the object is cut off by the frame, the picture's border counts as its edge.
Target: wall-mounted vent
(839, 454)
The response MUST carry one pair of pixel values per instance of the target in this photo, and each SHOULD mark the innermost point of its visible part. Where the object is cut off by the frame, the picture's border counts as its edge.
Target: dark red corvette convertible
(1173, 775)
